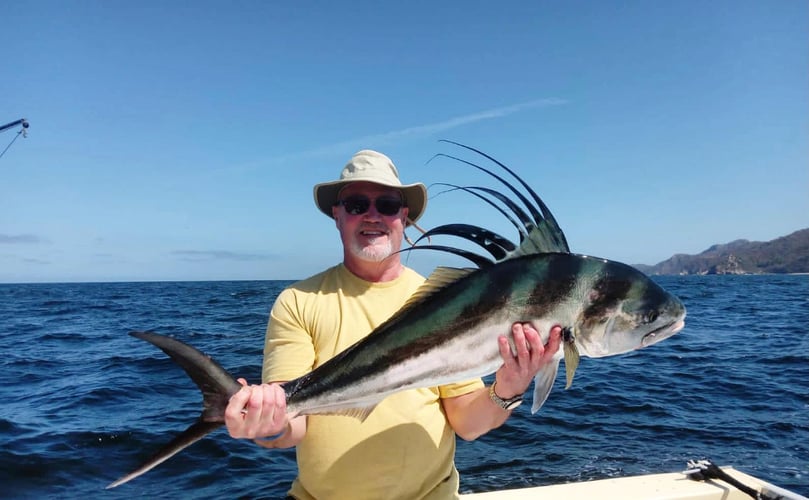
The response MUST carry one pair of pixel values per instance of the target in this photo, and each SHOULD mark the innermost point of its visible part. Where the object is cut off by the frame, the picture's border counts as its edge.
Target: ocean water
(83, 402)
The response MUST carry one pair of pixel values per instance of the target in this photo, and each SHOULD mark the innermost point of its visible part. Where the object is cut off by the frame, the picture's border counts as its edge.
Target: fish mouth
(663, 332)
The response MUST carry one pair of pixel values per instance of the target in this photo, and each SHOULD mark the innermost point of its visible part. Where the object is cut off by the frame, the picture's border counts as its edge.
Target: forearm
(474, 414)
(292, 435)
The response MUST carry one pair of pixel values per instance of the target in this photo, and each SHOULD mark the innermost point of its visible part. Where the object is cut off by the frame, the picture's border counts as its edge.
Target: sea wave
(84, 402)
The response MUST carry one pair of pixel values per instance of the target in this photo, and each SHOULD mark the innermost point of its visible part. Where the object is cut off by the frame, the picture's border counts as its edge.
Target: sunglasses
(385, 205)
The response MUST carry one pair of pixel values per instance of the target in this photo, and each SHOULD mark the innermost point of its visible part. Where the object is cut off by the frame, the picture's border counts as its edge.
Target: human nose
(372, 213)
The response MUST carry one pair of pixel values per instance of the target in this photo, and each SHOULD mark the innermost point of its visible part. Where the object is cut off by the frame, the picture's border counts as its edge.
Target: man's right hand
(257, 411)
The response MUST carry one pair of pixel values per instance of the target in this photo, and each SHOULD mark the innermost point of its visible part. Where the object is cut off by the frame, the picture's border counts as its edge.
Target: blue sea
(84, 403)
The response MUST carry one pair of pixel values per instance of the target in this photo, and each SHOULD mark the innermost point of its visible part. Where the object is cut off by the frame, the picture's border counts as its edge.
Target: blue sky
(181, 140)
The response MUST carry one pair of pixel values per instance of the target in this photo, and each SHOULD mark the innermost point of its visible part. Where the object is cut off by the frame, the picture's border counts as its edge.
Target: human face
(370, 236)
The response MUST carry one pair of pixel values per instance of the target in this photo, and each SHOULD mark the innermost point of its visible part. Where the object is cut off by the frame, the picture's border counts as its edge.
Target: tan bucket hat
(370, 166)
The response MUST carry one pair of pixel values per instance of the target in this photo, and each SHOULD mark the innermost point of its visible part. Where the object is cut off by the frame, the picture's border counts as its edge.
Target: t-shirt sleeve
(288, 348)
(460, 388)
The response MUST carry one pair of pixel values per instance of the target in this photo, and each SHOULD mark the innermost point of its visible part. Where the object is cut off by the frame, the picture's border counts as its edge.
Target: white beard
(374, 252)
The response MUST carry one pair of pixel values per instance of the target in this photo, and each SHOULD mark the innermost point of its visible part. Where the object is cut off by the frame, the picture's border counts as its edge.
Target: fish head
(624, 310)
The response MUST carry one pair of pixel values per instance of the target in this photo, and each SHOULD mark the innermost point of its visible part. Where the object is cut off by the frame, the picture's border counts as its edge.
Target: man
(406, 446)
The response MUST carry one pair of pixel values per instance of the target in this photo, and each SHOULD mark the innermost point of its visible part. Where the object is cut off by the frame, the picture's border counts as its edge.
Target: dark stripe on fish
(562, 274)
(607, 292)
(492, 291)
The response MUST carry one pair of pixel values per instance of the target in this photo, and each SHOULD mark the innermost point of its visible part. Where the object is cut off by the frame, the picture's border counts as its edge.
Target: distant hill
(787, 254)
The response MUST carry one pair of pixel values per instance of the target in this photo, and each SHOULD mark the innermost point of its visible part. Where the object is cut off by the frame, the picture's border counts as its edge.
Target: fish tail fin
(194, 433)
(216, 384)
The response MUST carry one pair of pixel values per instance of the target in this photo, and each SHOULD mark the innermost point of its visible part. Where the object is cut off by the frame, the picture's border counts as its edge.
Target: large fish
(447, 331)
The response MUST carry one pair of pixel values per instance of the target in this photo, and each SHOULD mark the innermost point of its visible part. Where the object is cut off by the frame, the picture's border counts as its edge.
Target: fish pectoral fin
(571, 360)
(543, 383)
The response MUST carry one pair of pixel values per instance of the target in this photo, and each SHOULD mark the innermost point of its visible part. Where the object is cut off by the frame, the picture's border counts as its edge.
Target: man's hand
(257, 411)
(514, 377)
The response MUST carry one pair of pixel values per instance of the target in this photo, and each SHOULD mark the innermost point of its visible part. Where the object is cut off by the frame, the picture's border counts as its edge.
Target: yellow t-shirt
(405, 448)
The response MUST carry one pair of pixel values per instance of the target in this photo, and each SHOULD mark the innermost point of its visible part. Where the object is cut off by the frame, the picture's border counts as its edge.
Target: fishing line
(12, 142)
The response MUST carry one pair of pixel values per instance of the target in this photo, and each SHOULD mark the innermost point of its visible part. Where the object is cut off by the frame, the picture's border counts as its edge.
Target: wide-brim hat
(371, 166)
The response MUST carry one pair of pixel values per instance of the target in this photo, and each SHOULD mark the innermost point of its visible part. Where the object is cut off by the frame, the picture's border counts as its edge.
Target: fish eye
(651, 317)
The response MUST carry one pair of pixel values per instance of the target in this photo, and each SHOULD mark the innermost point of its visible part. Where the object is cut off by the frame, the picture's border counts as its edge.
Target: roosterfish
(447, 331)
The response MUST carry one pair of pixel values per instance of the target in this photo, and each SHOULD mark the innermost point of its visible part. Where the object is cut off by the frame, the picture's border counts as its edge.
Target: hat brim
(415, 196)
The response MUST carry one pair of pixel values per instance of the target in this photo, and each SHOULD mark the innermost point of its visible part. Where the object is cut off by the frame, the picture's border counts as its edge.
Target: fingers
(533, 340)
(530, 354)
(554, 342)
(234, 410)
(529, 350)
(505, 351)
(256, 411)
(514, 359)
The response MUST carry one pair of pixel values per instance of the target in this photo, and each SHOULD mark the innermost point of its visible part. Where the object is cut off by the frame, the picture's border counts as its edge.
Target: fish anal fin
(543, 383)
(360, 413)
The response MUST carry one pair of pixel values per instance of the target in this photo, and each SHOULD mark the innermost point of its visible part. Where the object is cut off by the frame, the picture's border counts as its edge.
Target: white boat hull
(669, 486)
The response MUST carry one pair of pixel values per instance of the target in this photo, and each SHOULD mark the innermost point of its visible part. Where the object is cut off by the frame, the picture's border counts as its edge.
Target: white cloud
(430, 128)
(405, 133)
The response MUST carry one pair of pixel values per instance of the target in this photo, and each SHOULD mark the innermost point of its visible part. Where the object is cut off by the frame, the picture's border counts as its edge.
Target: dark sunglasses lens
(356, 205)
(388, 206)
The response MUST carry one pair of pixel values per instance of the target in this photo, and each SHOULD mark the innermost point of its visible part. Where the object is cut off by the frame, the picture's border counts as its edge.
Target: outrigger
(23, 131)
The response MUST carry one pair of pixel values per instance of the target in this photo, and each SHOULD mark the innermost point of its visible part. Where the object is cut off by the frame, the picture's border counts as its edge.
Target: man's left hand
(514, 377)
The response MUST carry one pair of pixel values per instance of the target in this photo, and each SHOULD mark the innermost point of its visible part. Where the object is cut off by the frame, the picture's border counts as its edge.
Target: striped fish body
(449, 333)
